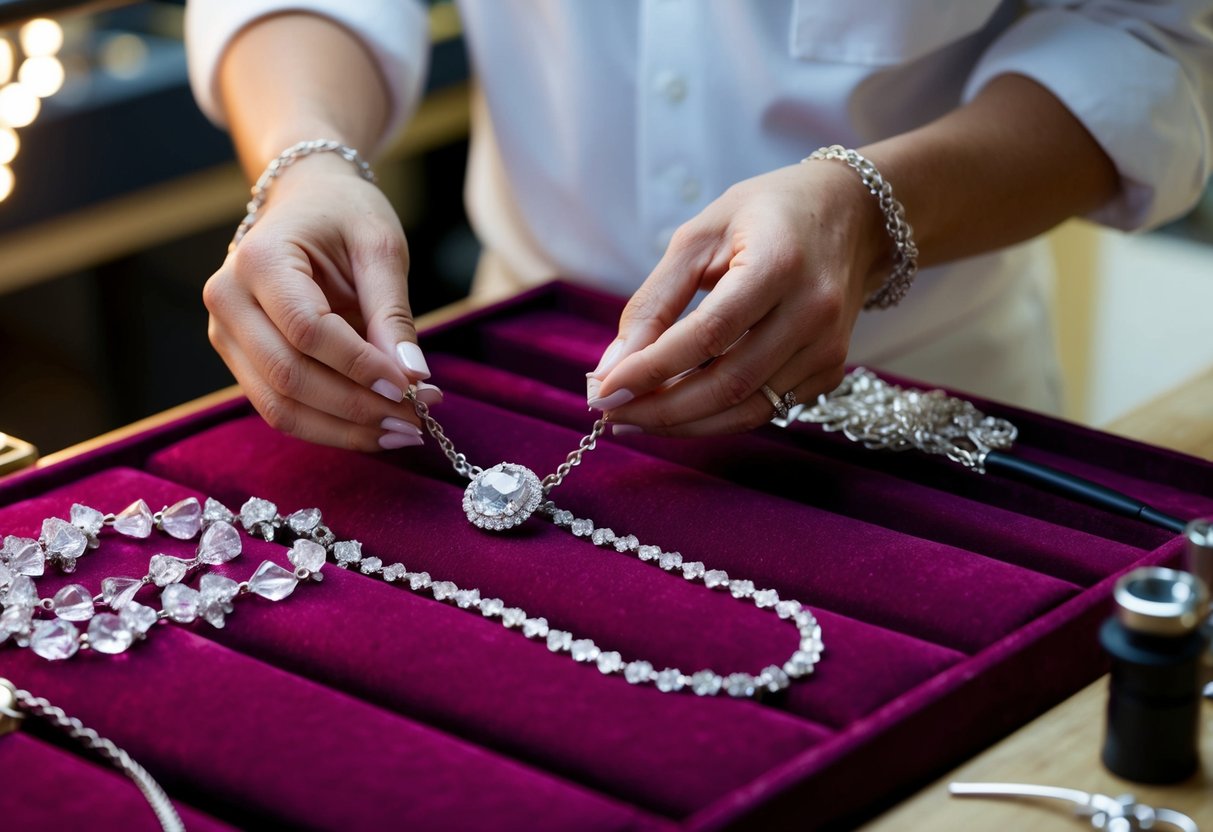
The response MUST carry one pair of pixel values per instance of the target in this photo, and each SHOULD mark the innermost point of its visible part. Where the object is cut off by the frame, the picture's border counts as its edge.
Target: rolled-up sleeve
(1139, 76)
(395, 32)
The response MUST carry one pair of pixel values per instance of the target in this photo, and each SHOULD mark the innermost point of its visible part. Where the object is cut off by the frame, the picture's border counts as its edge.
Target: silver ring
(780, 404)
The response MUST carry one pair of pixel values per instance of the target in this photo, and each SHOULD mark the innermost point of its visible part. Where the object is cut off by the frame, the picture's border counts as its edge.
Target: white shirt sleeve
(395, 31)
(1139, 76)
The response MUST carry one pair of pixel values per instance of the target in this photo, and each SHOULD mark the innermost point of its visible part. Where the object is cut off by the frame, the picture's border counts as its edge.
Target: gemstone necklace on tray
(497, 499)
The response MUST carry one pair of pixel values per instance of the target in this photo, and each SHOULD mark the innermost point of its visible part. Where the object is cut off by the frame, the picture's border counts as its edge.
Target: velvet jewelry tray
(954, 608)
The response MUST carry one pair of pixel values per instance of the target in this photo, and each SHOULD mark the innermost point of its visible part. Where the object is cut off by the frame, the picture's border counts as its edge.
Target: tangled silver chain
(883, 416)
(25, 702)
(898, 283)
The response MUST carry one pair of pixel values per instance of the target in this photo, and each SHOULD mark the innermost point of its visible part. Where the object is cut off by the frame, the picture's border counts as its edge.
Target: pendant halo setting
(502, 497)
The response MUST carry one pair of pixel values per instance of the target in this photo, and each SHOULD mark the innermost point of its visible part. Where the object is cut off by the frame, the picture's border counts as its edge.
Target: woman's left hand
(788, 258)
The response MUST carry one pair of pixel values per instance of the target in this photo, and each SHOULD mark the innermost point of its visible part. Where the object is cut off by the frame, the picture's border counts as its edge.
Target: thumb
(381, 270)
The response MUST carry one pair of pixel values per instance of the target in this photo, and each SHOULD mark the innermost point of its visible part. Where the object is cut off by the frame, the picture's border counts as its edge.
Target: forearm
(1007, 166)
(294, 77)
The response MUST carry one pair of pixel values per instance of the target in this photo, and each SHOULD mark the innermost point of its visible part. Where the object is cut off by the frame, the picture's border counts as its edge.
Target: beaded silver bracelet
(285, 159)
(898, 282)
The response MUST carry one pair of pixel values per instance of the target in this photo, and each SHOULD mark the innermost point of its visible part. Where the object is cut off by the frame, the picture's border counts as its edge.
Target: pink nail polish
(388, 390)
(591, 389)
(609, 358)
(411, 357)
(392, 440)
(429, 394)
(395, 425)
(622, 429)
(617, 399)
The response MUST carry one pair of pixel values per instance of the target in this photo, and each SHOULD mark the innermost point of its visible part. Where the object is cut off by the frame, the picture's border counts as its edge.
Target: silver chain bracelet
(16, 703)
(285, 159)
(898, 282)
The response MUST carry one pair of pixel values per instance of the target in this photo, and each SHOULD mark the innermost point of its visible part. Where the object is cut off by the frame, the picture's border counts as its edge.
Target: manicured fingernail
(621, 429)
(617, 399)
(609, 358)
(429, 394)
(412, 359)
(591, 389)
(400, 426)
(388, 390)
(392, 440)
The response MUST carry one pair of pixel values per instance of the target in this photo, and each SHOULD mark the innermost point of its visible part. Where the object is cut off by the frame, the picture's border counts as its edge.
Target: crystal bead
(443, 589)
(183, 519)
(214, 511)
(559, 640)
(491, 607)
(55, 640)
(24, 556)
(73, 603)
(741, 589)
(535, 628)
(118, 592)
(107, 634)
(669, 680)
(740, 685)
(135, 520)
(670, 560)
(305, 554)
(776, 678)
(394, 572)
(64, 542)
(638, 672)
(180, 602)
(648, 552)
(582, 527)
(706, 683)
(562, 518)
(272, 581)
(715, 577)
(765, 598)
(465, 598)
(787, 609)
(800, 664)
(584, 650)
(220, 543)
(137, 618)
(692, 570)
(22, 592)
(303, 521)
(257, 512)
(347, 552)
(6, 578)
(87, 520)
(166, 569)
(419, 580)
(513, 617)
(14, 621)
(601, 537)
(627, 543)
(217, 593)
(609, 662)
(370, 566)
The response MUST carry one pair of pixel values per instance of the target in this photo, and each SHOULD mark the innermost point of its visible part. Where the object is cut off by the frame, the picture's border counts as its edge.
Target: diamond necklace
(507, 494)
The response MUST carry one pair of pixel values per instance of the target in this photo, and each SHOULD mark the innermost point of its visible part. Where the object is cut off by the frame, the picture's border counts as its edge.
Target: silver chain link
(466, 469)
(156, 797)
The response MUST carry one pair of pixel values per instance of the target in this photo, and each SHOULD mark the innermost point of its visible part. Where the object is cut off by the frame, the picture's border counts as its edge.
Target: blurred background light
(9, 145)
(123, 56)
(18, 106)
(6, 60)
(41, 38)
(41, 76)
(6, 182)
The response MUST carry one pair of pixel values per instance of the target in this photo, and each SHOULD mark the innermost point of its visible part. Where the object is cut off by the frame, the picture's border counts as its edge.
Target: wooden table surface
(1061, 748)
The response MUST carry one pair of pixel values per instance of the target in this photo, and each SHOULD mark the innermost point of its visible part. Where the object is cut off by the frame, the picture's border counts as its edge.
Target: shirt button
(670, 85)
(690, 189)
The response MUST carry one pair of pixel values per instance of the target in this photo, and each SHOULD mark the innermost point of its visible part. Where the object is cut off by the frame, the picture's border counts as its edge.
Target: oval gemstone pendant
(501, 497)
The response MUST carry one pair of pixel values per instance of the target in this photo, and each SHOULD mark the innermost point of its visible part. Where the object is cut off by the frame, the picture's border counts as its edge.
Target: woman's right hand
(311, 313)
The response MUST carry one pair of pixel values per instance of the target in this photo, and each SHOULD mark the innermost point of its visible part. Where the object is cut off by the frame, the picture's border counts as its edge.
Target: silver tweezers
(1114, 814)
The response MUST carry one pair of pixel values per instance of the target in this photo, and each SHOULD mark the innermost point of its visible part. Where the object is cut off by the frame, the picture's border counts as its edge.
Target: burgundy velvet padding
(953, 606)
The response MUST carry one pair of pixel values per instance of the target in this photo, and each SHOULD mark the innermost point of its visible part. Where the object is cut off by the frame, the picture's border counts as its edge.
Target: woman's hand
(311, 312)
(789, 258)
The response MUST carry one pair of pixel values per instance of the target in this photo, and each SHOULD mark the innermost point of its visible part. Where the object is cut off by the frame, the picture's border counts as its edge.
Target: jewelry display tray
(954, 608)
